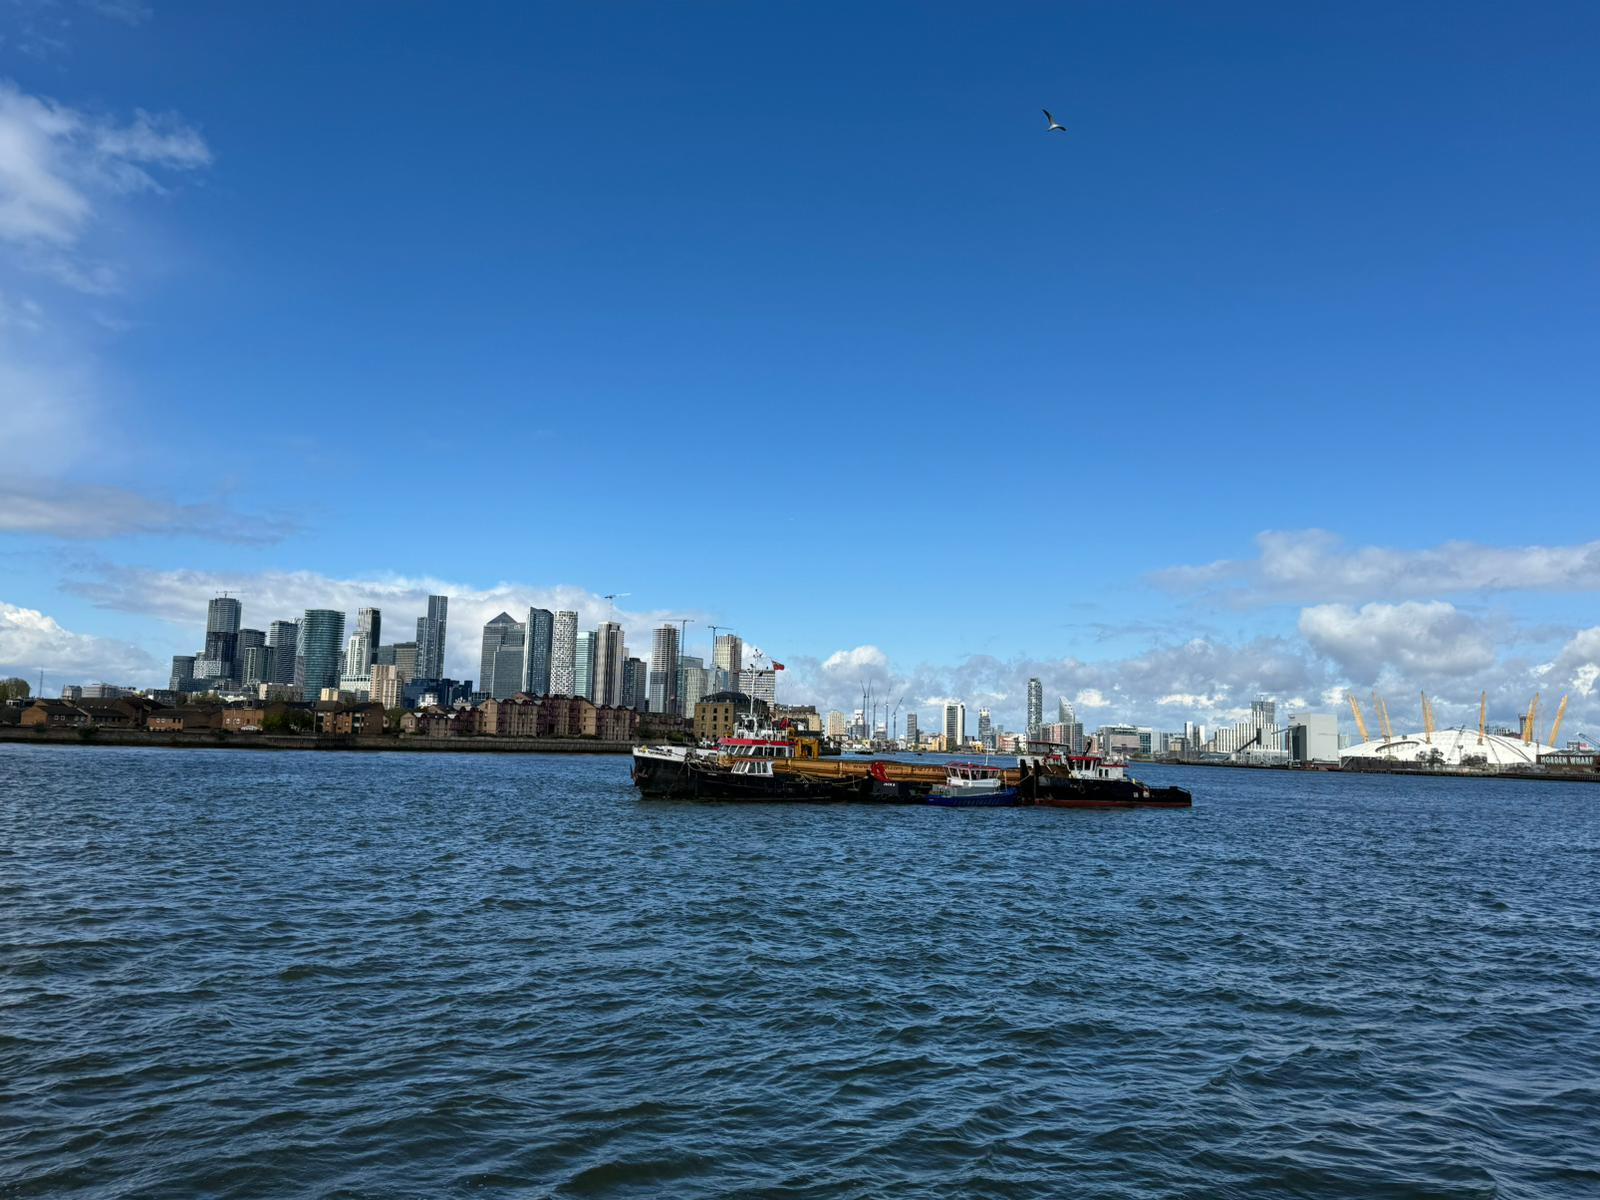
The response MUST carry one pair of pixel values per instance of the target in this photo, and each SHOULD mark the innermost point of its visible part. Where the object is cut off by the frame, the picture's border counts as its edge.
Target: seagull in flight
(1054, 124)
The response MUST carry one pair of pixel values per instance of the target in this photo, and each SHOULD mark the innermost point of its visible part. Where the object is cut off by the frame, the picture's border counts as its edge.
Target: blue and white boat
(973, 785)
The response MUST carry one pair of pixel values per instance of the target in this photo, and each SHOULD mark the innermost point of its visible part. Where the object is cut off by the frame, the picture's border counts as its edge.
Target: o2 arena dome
(1451, 748)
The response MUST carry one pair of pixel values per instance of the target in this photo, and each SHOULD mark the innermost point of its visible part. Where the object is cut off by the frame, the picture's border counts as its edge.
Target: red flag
(776, 665)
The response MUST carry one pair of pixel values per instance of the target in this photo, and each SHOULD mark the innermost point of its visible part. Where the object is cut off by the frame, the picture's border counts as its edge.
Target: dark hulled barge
(781, 765)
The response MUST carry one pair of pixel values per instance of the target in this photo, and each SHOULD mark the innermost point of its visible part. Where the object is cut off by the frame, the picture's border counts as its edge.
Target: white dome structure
(1450, 748)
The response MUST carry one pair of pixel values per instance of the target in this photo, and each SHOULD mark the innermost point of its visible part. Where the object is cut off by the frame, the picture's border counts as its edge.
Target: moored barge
(781, 765)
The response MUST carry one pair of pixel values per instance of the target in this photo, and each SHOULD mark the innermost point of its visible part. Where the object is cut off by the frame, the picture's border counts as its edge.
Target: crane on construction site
(614, 597)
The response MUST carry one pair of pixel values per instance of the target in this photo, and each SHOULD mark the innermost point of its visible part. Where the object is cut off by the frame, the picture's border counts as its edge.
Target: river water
(241, 974)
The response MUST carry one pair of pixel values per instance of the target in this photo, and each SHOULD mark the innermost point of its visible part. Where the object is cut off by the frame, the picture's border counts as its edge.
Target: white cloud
(1583, 679)
(1578, 665)
(30, 641)
(853, 662)
(57, 163)
(66, 180)
(1189, 701)
(1419, 639)
(93, 511)
(1216, 676)
(1315, 565)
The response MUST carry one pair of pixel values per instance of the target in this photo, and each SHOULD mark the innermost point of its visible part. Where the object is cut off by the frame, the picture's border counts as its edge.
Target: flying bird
(1054, 124)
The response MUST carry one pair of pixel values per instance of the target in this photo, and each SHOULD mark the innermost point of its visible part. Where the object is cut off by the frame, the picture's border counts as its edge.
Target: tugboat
(662, 772)
(1090, 781)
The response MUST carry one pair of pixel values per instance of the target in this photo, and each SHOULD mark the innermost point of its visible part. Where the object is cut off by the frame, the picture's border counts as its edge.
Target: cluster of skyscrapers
(303, 659)
(545, 654)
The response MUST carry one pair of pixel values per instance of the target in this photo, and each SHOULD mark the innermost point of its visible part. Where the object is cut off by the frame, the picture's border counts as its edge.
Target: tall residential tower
(431, 638)
(317, 656)
(540, 627)
(664, 670)
(564, 654)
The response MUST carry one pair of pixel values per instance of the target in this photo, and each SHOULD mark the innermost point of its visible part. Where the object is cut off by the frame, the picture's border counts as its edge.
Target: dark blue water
(233, 974)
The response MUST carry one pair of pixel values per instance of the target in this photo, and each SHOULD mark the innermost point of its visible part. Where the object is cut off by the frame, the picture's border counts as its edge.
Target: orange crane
(1555, 730)
(1355, 709)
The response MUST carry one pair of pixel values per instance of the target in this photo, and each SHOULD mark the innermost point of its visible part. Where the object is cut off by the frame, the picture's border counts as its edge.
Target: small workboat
(973, 785)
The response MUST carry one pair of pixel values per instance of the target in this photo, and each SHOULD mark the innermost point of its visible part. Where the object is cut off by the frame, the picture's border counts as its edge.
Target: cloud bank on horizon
(1398, 648)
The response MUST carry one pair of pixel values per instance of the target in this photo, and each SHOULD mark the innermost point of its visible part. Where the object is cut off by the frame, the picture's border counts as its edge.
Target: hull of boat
(1005, 798)
(1076, 793)
(662, 778)
(712, 781)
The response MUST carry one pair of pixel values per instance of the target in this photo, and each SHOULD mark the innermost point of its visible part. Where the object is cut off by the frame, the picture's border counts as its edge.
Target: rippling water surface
(251, 974)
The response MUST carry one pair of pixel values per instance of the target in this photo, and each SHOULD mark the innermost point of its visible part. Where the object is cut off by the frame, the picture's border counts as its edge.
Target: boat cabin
(978, 777)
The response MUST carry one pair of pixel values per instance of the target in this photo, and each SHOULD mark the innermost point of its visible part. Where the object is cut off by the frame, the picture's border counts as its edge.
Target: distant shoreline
(209, 740)
(1556, 776)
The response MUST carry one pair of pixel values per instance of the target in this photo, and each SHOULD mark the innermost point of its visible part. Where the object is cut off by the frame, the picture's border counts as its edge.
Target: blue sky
(794, 318)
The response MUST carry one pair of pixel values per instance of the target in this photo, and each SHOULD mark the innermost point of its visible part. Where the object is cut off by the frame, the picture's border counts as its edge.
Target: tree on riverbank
(14, 689)
(293, 720)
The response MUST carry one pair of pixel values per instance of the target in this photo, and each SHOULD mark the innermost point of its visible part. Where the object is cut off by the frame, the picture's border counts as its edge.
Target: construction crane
(1355, 709)
(614, 597)
(1555, 729)
(1427, 719)
(1483, 712)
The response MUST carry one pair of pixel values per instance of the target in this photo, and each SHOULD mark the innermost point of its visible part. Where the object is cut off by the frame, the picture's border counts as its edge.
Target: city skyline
(1220, 345)
(1013, 689)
